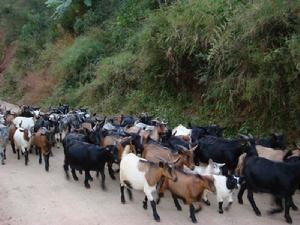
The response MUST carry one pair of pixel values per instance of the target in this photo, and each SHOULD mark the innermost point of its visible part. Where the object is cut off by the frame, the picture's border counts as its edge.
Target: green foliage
(231, 62)
(76, 63)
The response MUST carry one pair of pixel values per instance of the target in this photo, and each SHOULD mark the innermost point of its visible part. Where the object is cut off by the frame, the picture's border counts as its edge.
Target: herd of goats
(188, 161)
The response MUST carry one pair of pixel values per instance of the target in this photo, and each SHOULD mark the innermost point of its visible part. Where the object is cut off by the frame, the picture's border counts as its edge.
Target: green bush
(76, 63)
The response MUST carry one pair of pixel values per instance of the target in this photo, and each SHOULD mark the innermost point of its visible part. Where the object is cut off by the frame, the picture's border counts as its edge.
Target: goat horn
(176, 160)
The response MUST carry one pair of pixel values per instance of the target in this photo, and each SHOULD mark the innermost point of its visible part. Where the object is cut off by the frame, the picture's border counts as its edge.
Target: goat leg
(4, 153)
(36, 150)
(46, 158)
(252, 202)
(278, 202)
(2, 158)
(241, 193)
(90, 177)
(287, 216)
(205, 199)
(102, 178)
(111, 171)
(145, 202)
(129, 193)
(18, 151)
(192, 213)
(228, 206)
(294, 207)
(26, 157)
(40, 155)
(74, 174)
(155, 214)
(13, 147)
(86, 179)
(176, 202)
(122, 194)
(221, 207)
(66, 169)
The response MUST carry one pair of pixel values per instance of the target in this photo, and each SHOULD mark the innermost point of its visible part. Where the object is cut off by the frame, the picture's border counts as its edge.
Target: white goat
(24, 122)
(22, 140)
(140, 174)
(224, 190)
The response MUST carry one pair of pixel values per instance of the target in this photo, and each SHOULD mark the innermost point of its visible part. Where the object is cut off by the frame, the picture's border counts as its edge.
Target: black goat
(222, 151)
(88, 157)
(280, 179)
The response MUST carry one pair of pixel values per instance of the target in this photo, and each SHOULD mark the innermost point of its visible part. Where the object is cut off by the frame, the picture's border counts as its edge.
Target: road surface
(31, 196)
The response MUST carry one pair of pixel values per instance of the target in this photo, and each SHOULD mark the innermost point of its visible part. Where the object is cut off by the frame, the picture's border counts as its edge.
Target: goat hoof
(75, 178)
(289, 220)
(103, 187)
(91, 179)
(258, 213)
(113, 177)
(194, 220)
(87, 185)
(157, 218)
(145, 205)
(3, 163)
(241, 201)
(295, 208)
(207, 202)
(123, 200)
(179, 208)
(221, 211)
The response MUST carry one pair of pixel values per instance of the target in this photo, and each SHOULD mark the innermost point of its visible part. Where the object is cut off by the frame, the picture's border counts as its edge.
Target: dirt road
(29, 195)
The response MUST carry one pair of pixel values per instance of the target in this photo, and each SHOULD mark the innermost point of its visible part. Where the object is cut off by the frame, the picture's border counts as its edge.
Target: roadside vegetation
(231, 62)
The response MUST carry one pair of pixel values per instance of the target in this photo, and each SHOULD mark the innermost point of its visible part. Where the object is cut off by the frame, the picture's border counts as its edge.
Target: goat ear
(210, 161)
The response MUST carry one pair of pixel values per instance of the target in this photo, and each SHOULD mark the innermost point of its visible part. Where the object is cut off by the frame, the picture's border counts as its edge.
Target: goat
(224, 189)
(4, 138)
(141, 174)
(84, 156)
(189, 188)
(22, 140)
(154, 152)
(280, 179)
(43, 141)
(222, 151)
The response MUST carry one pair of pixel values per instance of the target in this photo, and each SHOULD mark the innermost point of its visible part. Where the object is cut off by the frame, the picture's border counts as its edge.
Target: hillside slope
(235, 63)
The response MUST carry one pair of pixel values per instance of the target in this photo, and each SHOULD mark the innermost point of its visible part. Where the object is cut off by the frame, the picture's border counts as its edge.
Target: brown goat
(189, 188)
(155, 134)
(156, 152)
(42, 141)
